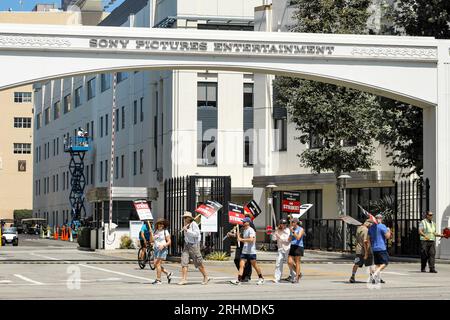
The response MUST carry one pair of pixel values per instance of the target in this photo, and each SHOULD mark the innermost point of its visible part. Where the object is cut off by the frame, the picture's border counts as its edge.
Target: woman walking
(296, 250)
(161, 242)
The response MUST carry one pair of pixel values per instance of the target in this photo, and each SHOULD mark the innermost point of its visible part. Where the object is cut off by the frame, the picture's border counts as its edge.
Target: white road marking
(392, 272)
(27, 279)
(5, 281)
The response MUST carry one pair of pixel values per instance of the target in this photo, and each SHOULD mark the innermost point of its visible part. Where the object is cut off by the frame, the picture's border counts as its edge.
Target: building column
(437, 151)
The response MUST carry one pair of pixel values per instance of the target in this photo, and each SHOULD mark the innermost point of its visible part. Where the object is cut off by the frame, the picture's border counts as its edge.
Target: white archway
(410, 69)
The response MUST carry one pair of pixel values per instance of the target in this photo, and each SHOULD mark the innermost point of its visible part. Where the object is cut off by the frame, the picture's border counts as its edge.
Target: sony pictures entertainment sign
(210, 46)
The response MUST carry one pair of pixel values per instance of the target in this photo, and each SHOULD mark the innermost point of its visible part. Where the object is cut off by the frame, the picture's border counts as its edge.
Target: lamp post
(343, 206)
(270, 188)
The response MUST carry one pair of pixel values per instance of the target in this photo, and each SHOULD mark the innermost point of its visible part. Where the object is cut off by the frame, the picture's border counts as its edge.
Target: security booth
(123, 213)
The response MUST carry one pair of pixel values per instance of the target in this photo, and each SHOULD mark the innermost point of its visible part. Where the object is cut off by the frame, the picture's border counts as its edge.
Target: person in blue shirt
(378, 234)
(144, 236)
(296, 250)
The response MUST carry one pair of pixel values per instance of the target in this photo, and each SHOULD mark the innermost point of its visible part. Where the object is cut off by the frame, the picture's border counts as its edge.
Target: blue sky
(28, 5)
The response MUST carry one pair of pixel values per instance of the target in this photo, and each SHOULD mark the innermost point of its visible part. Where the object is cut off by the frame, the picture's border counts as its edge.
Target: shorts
(143, 243)
(360, 261)
(296, 251)
(247, 256)
(191, 251)
(381, 257)
(161, 254)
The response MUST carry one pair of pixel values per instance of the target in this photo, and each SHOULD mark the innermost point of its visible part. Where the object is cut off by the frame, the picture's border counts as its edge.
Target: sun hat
(188, 214)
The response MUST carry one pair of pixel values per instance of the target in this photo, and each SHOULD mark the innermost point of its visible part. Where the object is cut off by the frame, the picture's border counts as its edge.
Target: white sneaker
(260, 281)
(235, 282)
(276, 281)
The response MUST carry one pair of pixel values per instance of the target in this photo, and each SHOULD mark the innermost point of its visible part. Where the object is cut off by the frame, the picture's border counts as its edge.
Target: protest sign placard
(291, 202)
(303, 209)
(350, 220)
(208, 208)
(252, 208)
(235, 213)
(209, 224)
(143, 210)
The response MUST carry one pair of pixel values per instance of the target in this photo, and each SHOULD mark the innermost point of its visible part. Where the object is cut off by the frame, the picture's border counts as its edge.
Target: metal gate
(185, 194)
(412, 199)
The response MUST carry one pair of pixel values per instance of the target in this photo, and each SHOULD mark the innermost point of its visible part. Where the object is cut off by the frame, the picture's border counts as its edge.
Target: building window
(141, 161)
(106, 124)
(142, 108)
(56, 110)
(68, 103)
(121, 76)
(101, 127)
(38, 121)
(22, 122)
(123, 118)
(22, 97)
(106, 170)
(92, 174)
(135, 112)
(105, 81)
(47, 116)
(134, 162)
(78, 96)
(22, 148)
(248, 123)
(116, 168)
(91, 133)
(22, 165)
(280, 134)
(91, 89)
(207, 94)
(101, 171)
(117, 119)
(122, 164)
(207, 123)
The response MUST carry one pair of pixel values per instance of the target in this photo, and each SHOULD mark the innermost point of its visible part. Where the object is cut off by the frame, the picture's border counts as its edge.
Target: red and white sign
(143, 210)
(235, 214)
(209, 208)
(269, 230)
(291, 202)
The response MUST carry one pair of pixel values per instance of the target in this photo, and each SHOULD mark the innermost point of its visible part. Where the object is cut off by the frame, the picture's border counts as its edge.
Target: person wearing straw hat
(161, 243)
(191, 249)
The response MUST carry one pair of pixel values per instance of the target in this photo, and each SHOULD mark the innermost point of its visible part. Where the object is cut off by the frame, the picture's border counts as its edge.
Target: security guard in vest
(428, 234)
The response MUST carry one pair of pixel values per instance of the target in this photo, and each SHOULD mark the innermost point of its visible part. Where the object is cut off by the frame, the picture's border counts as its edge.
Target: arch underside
(407, 82)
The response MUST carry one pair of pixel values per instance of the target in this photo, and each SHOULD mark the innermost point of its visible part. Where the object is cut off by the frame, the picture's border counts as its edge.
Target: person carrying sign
(161, 242)
(296, 251)
(191, 249)
(378, 234)
(247, 275)
(364, 255)
(282, 237)
(428, 234)
(248, 252)
(144, 237)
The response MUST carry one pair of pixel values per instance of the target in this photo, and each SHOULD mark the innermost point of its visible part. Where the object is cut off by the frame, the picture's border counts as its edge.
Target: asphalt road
(44, 270)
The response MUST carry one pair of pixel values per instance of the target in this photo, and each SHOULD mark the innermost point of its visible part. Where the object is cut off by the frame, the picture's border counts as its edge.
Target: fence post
(396, 217)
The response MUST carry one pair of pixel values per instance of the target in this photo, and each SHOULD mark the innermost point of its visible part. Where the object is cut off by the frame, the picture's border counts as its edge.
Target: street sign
(143, 210)
(235, 213)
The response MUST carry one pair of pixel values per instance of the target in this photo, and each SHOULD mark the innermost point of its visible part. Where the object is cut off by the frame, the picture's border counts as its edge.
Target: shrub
(126, 242)
(218, 256)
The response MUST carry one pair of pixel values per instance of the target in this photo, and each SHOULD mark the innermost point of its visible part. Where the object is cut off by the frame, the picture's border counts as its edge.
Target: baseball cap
(282, 221)
(246, 219)
(295, 220)
(379, 216)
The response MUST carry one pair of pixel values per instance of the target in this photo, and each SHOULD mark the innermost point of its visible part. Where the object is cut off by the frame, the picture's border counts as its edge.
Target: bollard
(70, 233)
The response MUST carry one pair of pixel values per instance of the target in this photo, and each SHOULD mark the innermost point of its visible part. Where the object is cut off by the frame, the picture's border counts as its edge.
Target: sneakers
(433, 271)
(352, 279)
(288, 279)
(205, 281)
(276, 281)
(235, 282)
(182, 282)
(260, 281)
(157, 282)
(423, 270)
(169, 277)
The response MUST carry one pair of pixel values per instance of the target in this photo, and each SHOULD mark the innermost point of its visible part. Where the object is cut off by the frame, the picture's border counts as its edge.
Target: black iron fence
(185, 194)
(412, 198)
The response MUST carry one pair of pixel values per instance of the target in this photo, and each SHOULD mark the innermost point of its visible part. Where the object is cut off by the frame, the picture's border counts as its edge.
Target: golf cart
(33, 225)
(10, 235)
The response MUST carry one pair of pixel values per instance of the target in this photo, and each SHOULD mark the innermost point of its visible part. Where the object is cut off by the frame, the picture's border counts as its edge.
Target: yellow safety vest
(429, 228)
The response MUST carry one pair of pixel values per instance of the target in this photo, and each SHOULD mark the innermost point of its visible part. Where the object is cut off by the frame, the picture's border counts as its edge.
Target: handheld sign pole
(237, 229)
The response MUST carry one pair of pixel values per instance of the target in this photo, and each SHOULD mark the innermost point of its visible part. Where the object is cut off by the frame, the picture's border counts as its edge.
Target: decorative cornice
(30, 41)
(395, 52)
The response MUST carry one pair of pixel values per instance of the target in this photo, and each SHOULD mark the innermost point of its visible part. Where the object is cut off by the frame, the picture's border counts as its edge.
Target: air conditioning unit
(159, 174)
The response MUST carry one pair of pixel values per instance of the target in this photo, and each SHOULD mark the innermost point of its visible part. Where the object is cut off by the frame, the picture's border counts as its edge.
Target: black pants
(427, 253)
(248, 266)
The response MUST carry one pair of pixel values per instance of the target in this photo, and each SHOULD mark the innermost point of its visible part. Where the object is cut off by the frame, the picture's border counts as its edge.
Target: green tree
(328, 114)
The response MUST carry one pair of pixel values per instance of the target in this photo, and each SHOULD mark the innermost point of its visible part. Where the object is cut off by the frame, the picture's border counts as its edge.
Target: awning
(121, 193)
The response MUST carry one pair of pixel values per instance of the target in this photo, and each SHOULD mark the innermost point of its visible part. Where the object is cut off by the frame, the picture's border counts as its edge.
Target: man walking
(378, 234)
(281, 236)
(428, 234)
(364, 254)
(248, 252)
(191, 249)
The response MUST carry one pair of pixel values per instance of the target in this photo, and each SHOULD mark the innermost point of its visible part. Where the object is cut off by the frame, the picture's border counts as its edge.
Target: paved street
(47, 269)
